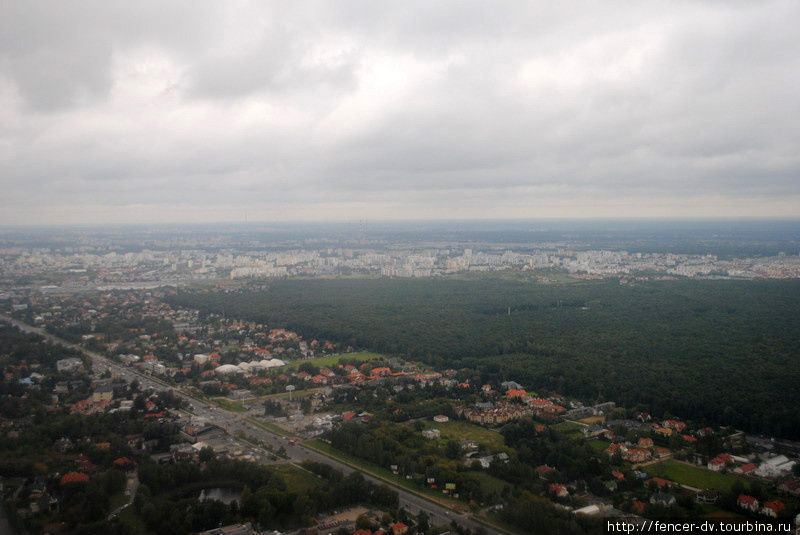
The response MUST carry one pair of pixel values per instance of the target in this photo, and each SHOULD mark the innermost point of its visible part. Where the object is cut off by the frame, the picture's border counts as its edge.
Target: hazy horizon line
(361, 221)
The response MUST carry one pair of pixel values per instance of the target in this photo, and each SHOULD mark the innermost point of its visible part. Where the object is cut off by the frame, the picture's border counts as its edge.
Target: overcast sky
(116, 112)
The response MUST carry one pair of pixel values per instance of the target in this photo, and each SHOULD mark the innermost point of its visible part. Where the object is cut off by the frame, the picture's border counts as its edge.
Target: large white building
(775, 467)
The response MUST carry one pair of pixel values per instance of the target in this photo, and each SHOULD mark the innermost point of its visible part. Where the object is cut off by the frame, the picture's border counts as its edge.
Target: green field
(297, 479)
(692, 475)
(490, 483)
(333, 360)
(598, 445)
(568, 428)
(229, 405)
(457, 430)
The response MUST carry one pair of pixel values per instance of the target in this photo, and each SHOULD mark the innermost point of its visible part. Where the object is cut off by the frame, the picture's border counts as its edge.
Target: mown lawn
(692, 475)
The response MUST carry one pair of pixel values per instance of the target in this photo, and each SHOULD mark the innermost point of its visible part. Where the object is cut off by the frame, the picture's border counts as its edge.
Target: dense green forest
(724, 352)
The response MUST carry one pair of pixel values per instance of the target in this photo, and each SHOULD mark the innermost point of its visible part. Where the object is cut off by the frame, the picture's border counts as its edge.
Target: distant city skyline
(139, 113)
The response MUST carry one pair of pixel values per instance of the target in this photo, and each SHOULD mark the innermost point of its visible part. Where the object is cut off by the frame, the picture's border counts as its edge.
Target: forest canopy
(722, 351)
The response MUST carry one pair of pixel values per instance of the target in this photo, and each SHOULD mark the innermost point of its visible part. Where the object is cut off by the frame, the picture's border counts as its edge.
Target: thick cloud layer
(204, 111)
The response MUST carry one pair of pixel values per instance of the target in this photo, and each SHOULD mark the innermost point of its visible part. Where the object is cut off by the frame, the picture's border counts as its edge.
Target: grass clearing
(490, 483)
(598, 445)
(571, 429)
(297, 479)
(458, 430)
(693, 476)
(333, 360)
(229, 405)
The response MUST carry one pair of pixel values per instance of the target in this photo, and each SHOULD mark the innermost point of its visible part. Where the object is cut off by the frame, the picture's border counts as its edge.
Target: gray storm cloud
(199, 111)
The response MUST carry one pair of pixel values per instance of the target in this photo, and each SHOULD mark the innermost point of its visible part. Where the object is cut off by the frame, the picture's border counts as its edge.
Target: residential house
(103, 392)
(745, 469)
(773, 508)
(708, 496)
(543, 471)
(431, 434)
(747, 502)
(663, 499)
(399, 528)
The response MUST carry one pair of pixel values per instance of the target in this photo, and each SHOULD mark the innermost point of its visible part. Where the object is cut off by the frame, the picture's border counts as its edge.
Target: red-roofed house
(718, 463)
(636, 455)
(674, 424)
(124, 463)
(380, 371)
(773, 508)
(657, 482)
(612, 449)
(747, 502)
(543, 471)
(399, 528)
(74, 478)
(558, 490)
(255, 381)
(745, 468)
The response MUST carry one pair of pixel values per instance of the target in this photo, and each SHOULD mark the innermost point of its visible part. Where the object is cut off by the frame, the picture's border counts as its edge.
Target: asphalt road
(233, 422)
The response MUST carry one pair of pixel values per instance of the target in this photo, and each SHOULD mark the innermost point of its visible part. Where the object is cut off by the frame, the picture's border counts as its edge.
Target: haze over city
(141, 112)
